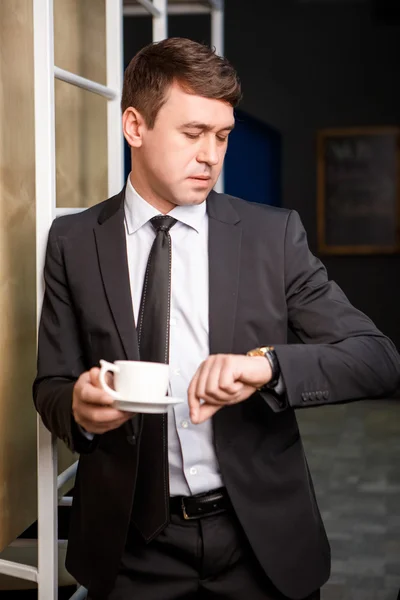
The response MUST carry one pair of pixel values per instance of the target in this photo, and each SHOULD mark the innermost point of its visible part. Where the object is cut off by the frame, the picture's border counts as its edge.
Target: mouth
(202, 178)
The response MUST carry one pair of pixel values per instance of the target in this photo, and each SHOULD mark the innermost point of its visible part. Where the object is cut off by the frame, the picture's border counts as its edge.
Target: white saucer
(154, 408)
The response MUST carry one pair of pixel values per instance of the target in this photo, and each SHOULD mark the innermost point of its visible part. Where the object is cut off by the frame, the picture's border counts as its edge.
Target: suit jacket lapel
(113, 263)
(224, 254)
(224, 245)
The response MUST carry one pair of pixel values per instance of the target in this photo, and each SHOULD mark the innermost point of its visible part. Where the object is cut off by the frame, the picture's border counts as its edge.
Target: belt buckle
(185, 515)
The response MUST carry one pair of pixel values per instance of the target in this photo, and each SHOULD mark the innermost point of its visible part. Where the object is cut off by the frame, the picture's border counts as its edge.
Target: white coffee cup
(136, 381)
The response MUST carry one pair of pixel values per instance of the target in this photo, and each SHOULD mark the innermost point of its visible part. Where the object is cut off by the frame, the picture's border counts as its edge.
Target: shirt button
(177, 371)
(185, 424)
(193, 471)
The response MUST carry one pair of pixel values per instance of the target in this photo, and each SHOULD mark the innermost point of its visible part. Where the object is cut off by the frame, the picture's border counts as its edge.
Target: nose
(208, 152)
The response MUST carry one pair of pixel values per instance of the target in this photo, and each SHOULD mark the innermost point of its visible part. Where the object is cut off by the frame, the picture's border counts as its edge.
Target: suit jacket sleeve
(343, 356)
(60, 355)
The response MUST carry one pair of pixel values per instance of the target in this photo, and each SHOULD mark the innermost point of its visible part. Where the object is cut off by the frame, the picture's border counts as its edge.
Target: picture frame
(358, 190)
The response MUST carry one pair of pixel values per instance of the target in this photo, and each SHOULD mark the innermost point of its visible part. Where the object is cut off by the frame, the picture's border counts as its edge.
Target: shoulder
(254, 214)
(84, 220)
(256, 209)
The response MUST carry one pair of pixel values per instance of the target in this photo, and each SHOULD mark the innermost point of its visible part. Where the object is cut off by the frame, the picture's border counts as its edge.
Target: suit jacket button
(325, 394)
(319, 395)
(312, 396)
(304, 396)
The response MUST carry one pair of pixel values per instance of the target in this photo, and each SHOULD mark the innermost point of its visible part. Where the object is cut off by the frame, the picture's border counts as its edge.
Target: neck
(164, 206)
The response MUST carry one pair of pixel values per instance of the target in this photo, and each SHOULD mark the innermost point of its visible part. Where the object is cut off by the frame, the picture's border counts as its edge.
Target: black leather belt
(200, 505)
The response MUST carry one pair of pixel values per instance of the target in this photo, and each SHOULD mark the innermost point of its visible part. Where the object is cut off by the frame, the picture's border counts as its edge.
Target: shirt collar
(138, 212)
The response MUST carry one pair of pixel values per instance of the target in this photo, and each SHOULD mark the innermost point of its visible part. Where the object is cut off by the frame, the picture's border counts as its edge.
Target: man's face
(181, 158)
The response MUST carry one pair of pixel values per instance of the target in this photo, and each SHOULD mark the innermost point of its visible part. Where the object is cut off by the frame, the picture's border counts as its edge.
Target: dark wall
(305, 66)
(138, 31)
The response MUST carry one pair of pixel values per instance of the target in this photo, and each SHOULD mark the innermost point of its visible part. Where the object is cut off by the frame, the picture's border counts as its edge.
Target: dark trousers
(192, 560)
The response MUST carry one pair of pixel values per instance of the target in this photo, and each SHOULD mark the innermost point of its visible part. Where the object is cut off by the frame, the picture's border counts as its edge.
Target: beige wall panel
(81, 147)
(80, 38)
(81, 117)
(17, 271)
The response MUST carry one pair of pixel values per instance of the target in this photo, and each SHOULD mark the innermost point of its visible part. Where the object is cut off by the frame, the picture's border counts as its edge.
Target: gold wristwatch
(269, 353)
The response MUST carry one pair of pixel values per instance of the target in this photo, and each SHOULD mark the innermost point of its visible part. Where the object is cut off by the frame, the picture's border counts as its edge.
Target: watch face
(268, 348)
(260, 351)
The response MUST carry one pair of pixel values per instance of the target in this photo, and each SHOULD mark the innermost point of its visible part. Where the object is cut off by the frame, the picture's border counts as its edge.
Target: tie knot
(162, 222)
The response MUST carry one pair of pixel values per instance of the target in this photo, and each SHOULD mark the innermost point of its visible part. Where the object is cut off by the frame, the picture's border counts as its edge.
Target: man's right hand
(92, 406)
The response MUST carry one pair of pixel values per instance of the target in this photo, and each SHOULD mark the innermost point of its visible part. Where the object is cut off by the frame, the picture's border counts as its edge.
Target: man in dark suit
(216, 500)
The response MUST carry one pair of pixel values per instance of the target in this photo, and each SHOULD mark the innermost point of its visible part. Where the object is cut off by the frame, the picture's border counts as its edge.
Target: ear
(133, 126)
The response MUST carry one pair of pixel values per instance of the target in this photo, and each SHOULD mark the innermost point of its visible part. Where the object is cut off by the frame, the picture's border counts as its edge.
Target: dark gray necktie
(150, 505)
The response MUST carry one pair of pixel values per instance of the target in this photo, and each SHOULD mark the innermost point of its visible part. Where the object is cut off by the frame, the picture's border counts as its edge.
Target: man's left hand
(225, 379)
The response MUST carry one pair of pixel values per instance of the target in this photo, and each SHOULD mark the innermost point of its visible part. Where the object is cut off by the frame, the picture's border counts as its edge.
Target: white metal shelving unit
(45, 72)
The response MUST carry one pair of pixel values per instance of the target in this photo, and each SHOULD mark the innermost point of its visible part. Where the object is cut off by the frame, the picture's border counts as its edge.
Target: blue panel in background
(253, 161)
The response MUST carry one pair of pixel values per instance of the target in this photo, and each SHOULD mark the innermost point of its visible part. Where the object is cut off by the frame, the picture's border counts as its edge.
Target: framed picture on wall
(358, 190)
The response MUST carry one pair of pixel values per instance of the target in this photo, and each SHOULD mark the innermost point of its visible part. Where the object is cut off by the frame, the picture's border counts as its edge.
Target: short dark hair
(195, 67)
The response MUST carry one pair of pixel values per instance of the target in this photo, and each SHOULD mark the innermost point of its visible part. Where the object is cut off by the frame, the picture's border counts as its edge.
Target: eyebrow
(205, 127)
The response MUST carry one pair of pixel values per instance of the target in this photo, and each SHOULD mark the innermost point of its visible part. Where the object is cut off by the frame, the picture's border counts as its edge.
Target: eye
(222, 138)
(192, 136)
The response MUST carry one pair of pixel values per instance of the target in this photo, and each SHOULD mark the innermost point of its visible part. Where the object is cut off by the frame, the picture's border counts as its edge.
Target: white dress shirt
(193, 465)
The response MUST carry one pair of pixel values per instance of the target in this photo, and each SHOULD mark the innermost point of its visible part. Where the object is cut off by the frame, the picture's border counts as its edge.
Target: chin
(199, 199)
(191, 199)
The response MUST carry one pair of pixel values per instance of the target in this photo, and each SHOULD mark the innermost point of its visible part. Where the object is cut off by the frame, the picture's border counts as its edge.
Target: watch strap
(272, 358)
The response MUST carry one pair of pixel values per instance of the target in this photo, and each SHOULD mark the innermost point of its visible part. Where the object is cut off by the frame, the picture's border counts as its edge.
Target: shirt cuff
(88, 436)
(279, 388)
(275, 397)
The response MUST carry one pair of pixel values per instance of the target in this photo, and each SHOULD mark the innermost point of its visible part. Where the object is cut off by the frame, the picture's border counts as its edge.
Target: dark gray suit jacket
(263, 279)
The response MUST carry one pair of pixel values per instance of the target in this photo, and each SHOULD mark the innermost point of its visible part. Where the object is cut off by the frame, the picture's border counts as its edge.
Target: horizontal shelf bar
(173, 9)
(65, 501)
(14, 569)
(188, 9)
(32, 543)
(85, 84)
(80, 594)
(217, 4)
(67, 475)
(149, 7)
(60, 212)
